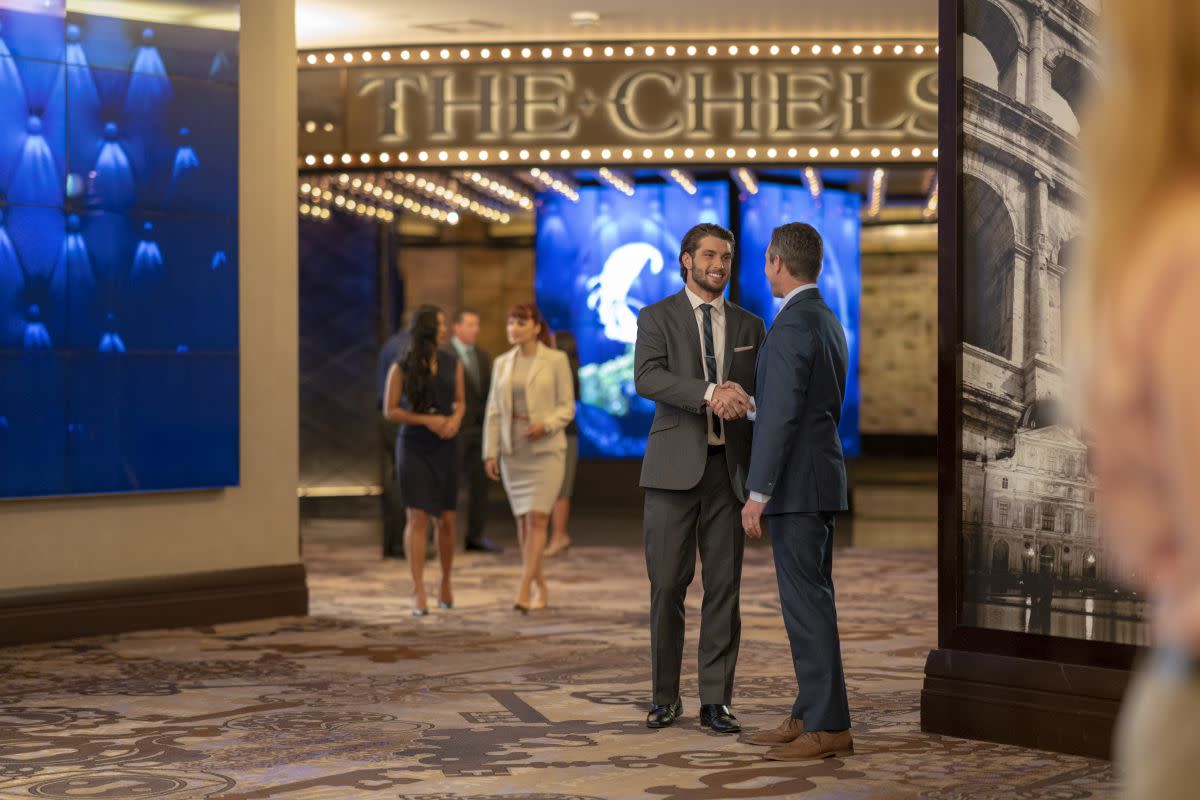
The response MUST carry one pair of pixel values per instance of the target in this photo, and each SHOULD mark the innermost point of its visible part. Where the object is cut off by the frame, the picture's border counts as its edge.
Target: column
(1036, 68)
(1038, 286)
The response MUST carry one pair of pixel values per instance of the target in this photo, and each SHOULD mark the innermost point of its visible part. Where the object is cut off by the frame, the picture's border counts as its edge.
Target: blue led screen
(118, 254)
(598, 262)
(837, 217)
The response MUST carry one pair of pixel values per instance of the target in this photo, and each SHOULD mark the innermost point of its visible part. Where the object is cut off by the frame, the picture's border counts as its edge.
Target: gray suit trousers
(674, 523)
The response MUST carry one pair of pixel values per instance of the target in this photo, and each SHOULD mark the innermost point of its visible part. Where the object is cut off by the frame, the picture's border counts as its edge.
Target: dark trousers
(475, 478)
(803, 548)
(674, 523)
(393, 501)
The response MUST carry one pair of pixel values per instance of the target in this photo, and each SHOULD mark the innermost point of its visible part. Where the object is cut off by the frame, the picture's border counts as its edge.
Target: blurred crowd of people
(454, 417)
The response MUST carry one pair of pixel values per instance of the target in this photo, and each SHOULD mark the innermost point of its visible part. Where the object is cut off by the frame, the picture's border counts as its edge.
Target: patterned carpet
(361, 700)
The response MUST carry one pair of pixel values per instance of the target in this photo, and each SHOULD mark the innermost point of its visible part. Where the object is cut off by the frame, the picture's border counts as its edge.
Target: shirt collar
(697, 301)
(803, 288)
(459, 346)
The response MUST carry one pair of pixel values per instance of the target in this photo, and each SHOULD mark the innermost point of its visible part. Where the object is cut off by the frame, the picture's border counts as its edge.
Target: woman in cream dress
(530, 404)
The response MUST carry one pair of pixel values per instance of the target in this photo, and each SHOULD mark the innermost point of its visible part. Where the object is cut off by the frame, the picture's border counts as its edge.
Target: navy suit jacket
(800, 383)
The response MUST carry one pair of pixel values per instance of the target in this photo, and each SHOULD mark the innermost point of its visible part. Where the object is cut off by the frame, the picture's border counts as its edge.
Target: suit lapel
(732, 327)
(686, 316)
(539, 358)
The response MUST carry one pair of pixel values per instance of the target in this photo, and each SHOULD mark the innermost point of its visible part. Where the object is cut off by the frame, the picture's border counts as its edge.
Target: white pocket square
(743, 349)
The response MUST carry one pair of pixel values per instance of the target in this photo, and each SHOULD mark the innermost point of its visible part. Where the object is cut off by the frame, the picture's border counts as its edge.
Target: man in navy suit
(797, 478)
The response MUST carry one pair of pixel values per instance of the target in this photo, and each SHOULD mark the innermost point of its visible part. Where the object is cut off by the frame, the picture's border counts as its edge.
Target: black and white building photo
(1032, 553)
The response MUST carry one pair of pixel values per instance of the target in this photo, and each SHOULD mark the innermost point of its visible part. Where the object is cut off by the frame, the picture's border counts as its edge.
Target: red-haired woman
(531, 402)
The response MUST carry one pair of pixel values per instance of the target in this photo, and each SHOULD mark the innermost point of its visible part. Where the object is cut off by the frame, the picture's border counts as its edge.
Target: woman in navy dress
(425, 396)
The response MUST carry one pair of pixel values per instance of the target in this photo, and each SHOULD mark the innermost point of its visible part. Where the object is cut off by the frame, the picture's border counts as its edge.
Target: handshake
(729, 401)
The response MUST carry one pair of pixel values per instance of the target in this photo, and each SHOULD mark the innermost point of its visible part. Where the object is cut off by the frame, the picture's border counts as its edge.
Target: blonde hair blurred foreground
(1137, 327)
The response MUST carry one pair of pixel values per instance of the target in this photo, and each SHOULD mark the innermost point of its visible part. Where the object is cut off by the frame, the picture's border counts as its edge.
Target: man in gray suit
(798, 480)
(695, 351)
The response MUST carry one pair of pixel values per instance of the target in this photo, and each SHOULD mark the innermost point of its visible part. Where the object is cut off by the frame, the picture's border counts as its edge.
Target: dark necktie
(710, 359)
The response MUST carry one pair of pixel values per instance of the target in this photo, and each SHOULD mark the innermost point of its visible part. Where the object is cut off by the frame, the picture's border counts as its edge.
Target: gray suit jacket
(669, 371)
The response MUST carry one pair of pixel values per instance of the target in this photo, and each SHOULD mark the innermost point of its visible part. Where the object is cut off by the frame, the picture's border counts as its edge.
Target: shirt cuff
(759, 497)
(752, 414)
(708, 393)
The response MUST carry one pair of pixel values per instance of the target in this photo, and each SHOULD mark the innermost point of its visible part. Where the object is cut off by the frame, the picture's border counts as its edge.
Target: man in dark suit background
(477, 367)
(798, 480)
(694, 353)
(393, 503)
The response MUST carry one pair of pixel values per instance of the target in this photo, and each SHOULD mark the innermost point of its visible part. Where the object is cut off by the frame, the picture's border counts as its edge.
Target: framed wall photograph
(1030, 599)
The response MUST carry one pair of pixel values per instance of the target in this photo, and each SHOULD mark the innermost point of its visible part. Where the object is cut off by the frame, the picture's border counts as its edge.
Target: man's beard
(700, 277)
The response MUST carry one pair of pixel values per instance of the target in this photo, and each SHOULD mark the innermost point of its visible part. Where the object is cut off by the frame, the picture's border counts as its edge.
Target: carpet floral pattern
(361, 700)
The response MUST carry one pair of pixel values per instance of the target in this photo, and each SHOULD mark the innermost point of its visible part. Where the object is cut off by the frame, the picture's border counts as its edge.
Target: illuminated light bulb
(834, 152)
(855, 152)
(587, 52)
(608, 52)
(712, 49)
(403, 156)
(877, 49)
(405, 55)
(935, 152)
(895, 152)
(365, 158)
(424, 55)
(483, 155)
(668, 153)
(502, 155)
(813, 152)
(875, 152)
(505, 53)
(916, 152)
(919, 49)
(857, 50)
(585, 154)
(306, 187)
(710, 152)
(792, 152)
(464, 54)
(384, 158)
(547, 52)
(310, 160)
(730, 153)
(463, 155)
(733, 49)
(567, 52)
(753, 49)
(627, 153)
(422, 156)
(816, 49)
(366, 56)
(347, 158)
(691, 51)
(751, 153)
(526, 52)
(650, 50)
(772, 152)
(629, 51)
(445, 54)
(795, 49)
(485, 53)
(443, 156)
(564, 154)
(836, 49)
(348, 57)
(329, 58)
(689, 153)
(898, 49)
(774, 49)
(524, 155)
(312, 59)
(670, 51)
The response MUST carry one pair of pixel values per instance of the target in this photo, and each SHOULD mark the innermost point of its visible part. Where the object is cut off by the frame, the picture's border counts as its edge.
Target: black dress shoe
(482, 545)
(719, 718)
(662, 716)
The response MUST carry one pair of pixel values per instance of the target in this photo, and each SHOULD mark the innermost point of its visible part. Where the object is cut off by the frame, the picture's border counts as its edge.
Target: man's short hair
(800, 247)
(691, 241)
(462, 312)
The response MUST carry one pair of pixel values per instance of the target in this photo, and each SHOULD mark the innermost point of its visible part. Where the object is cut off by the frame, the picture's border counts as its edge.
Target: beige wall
(898, 357)
(66, 541)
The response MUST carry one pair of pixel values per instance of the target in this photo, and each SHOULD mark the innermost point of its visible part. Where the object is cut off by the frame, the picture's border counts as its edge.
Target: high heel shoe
(445, 604)
(420, 612)
(518, 607)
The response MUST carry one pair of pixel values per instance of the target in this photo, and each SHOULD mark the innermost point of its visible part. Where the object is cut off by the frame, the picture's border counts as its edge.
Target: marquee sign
(619, 103)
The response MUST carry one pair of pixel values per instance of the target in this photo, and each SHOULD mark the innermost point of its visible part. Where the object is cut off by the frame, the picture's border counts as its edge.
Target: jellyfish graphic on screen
(708, 210)
(149, 86)
(112, 179)
(13, 109)
(81, 88)
(72, 283)
(184, 170)
(147, 258)
(35, 180)
(36, 336)
(12, 286)
(609, 291)
(110, 340)
(222, 68)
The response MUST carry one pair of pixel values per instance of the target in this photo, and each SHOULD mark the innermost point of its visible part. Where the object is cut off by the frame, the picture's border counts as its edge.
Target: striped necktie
(710, 359)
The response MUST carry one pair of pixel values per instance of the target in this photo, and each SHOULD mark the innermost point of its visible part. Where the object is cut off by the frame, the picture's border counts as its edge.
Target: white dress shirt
(759, 497)
(718, 326)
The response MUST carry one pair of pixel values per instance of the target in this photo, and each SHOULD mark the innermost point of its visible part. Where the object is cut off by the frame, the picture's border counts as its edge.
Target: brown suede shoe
(787, 731)
(817, 744)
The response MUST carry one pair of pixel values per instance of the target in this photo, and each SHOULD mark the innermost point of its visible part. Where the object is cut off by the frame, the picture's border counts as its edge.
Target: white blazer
(549, 394)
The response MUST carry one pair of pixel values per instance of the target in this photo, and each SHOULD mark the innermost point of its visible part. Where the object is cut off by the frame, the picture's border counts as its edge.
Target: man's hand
(752, 518)
(730, 401)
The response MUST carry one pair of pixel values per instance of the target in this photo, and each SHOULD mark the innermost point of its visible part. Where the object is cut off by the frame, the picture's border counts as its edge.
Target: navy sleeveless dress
(427, 465)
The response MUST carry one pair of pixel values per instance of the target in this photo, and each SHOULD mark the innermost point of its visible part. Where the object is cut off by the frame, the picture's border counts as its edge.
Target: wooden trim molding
(174, 601)
(1067, 708)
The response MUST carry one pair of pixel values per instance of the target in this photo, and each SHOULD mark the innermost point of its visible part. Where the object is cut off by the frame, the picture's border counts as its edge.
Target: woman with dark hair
(560, 540)
(426, 397)
(530, 404)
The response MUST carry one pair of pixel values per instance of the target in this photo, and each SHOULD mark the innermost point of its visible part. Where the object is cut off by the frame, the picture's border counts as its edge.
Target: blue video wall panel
(837, 216)
(598, 262)
(118, 254)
